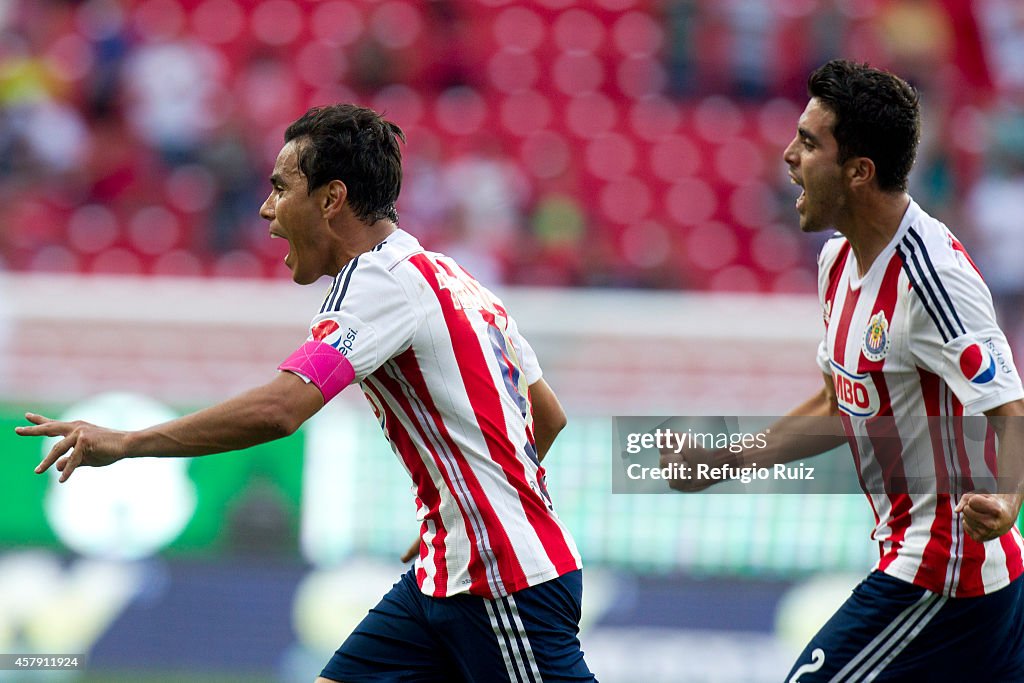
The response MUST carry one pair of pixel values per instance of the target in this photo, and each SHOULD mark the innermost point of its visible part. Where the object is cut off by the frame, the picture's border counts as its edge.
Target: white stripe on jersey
(428, 563)
(461, 490)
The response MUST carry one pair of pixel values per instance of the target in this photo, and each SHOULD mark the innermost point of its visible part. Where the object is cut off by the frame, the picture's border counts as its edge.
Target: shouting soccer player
(909, 331)
(495, 592)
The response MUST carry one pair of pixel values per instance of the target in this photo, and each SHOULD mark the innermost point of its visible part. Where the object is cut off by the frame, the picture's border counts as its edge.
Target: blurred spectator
(237, 190)
(995, 206)
(39, 135)
(680, 18)
(171, 86)
(102, 22)
(425, 204)
(917, 36)
(1002, 23)
(374, 65)
(551, 252)
(448, 47)
(753, 24)
(488, 193)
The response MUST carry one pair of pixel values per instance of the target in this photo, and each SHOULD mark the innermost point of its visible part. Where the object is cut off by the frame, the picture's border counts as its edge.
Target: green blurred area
(222, 484)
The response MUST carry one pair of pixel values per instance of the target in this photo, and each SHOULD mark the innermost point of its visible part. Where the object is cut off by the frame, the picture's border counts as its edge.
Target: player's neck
(872, 225)
(357, 238)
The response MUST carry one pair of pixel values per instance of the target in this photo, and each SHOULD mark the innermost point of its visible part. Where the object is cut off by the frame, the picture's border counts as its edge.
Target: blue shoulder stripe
(351, 268)
(938, 282)
(922, 293)
(333, 290)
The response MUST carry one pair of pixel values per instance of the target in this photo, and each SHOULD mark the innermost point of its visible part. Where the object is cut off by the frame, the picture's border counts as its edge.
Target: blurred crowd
(631, 143)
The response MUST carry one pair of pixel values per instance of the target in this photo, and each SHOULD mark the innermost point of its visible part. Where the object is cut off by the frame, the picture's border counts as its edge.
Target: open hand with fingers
(82, 444)
(988, 515)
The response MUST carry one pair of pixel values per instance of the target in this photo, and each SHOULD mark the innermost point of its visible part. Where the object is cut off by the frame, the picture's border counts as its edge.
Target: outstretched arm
(811, 428)
(263, 414)
(990, 515)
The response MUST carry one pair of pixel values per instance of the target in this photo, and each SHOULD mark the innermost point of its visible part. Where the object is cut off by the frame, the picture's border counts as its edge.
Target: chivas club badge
(876, 338)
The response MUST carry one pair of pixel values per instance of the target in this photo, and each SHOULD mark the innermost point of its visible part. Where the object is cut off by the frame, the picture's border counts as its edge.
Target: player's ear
(860, 171)
(333, 198)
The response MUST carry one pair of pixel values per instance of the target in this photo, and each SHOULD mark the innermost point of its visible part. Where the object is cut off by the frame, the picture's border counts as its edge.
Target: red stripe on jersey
(957, 246)
(937, 552)
(426, 491)
(1009, 541)
(887, 447)
(486, 402)
(833, 275)
(973, 553)
(843, 331)
(848, 428)
(991, 456)
(1011, 548)
(481, 555)
(970, 581)
(964, 462)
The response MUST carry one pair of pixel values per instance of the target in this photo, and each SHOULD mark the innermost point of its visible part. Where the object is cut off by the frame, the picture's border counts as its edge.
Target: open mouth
(803, 194)
(278, 236)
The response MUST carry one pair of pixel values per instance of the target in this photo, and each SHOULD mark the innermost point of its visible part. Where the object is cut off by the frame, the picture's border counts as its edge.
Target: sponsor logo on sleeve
(324, 329)
(328, 332)
(977, 364)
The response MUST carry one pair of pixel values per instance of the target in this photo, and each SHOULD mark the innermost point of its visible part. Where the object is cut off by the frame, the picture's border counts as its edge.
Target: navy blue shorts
(891, 630)
(527, 637)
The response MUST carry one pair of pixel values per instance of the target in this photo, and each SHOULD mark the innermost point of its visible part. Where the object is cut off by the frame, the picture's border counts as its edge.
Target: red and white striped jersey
(917, 336)
(447, 373)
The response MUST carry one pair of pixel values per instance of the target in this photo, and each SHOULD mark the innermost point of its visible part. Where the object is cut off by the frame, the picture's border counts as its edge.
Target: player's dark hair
(356, 146)
(878, 116)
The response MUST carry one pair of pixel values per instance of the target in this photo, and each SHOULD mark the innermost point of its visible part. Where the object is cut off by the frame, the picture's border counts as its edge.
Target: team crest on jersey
(876, 338)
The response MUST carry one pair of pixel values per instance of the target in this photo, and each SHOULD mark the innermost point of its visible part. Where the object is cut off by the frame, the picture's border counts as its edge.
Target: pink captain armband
(325, 366)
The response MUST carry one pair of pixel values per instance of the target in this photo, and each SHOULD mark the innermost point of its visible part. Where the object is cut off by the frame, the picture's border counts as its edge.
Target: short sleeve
(367, 316)
(830, 251)
(529, 363)
(954, 334)
(823, 360)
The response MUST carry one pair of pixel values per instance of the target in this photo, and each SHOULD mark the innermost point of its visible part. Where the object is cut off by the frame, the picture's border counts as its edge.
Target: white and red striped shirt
(447, 373)
(917, 336)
